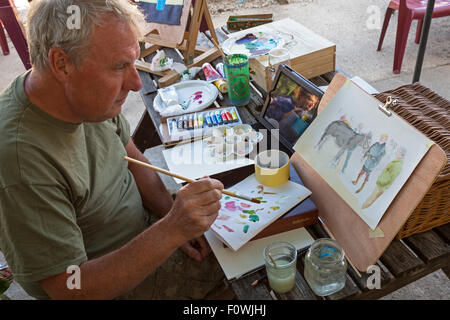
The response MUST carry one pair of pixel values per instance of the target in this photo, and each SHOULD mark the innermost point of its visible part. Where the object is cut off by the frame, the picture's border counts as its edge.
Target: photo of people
(291, 109)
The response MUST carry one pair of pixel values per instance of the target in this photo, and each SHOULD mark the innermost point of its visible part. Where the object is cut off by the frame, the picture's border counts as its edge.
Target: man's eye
(122, 66)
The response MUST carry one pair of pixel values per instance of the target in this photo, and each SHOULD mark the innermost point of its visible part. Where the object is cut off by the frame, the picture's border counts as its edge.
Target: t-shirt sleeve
(40, 236)
(123, 128)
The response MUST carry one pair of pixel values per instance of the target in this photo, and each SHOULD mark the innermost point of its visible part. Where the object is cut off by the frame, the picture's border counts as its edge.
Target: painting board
(362, 249)
(363, 154)
(239, 220)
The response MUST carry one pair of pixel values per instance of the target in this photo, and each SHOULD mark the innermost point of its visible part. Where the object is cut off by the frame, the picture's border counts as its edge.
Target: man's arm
(194, 210)
(153, 192)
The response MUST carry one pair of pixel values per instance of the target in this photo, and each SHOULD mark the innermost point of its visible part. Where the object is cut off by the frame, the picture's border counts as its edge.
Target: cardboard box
(311, 54)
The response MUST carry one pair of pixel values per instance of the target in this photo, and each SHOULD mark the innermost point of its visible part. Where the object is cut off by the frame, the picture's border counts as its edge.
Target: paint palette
(191, 96)
(200, 123)
(253, 45)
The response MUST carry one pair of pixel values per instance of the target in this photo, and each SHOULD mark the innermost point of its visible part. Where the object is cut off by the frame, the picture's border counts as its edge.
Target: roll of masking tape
(272, 168)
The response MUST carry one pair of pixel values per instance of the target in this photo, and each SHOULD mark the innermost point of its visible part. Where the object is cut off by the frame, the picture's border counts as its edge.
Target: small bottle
(325, 267)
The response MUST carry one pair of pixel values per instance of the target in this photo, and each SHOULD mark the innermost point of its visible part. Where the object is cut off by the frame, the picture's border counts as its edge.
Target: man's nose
(133, 81)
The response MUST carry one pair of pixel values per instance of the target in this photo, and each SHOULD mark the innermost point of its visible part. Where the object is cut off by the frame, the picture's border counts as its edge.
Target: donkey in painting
(345, 138)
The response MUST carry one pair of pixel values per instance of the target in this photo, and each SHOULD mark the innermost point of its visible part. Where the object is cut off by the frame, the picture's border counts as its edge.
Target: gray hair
(48, 26)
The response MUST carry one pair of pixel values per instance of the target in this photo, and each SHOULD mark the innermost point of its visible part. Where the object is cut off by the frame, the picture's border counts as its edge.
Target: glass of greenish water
(238, 79)
(325, 267)
(281, 274)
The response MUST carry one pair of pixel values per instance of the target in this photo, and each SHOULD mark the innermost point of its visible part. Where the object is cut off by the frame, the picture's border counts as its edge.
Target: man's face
(99, 86)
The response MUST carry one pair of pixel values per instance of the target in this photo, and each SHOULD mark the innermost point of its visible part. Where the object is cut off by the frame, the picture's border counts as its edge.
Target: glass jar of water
(325, 267)
(280, 259)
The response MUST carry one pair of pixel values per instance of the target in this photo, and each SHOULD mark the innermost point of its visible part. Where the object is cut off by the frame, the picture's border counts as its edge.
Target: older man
(67, 197)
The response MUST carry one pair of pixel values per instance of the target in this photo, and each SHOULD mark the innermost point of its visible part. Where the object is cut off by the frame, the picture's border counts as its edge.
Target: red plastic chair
(3, 42)
(409, 10)
(9, 18)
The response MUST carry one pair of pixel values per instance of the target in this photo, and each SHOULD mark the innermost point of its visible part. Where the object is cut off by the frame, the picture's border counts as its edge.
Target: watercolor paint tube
(195, 121)
(208, 120)
(180, 123)
(213, 119)
(228, 115)
(174, 125)
(224, 117)
(220, 69)
(185, 122)
(191, 122)
(200, 121)
(219, 118)
(234, 115)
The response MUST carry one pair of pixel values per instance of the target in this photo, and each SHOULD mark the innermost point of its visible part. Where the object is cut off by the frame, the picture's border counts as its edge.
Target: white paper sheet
(239, 220)
(250, 256)
(193, 160)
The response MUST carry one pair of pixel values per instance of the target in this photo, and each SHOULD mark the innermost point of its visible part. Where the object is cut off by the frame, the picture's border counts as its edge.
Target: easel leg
(194, 27)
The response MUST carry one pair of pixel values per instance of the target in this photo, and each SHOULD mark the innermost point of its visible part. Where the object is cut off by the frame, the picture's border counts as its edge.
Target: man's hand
(195, 208)
(197, 248)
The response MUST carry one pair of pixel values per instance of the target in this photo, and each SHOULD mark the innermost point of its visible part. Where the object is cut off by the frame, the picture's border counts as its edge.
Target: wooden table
(403, 262)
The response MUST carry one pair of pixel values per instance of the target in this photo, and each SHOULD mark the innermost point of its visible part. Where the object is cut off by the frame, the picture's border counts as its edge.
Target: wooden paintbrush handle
(228, 193)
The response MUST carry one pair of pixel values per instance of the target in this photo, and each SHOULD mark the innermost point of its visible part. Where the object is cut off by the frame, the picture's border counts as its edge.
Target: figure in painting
(373, 157)
(351, 149)
(386, 177)
(345, 138)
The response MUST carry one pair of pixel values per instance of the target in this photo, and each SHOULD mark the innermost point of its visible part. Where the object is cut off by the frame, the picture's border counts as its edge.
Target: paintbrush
(220, 50)
(228, 193)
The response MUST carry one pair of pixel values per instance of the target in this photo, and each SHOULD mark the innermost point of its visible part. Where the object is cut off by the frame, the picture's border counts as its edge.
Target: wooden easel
(182, 38)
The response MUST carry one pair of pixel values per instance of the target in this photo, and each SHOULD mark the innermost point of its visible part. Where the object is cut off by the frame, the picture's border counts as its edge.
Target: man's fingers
(192, 252)
(203, 185)
(204, 247)
(208, 197)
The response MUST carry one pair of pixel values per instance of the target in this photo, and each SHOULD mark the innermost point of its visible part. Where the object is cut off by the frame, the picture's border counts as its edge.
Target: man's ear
(60, 64)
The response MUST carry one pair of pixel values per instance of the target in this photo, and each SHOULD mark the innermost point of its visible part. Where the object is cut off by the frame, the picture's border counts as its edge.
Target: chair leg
(16, 34)
(3, 41)
(404, 24)
(387, 17)
(419, 30)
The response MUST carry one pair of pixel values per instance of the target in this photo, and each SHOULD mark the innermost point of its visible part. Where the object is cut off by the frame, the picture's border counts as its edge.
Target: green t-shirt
(66, 194)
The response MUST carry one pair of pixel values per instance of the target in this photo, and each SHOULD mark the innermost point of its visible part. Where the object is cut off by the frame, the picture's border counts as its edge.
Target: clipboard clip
(388, 104)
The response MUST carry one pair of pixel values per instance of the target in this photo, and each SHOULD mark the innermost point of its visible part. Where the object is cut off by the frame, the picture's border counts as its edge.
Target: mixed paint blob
(254, 44)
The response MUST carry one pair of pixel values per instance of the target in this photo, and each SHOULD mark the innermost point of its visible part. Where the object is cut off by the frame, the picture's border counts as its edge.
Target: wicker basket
(430, 114)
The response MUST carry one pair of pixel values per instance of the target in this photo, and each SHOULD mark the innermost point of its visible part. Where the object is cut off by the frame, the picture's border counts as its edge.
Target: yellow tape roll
(272, 168)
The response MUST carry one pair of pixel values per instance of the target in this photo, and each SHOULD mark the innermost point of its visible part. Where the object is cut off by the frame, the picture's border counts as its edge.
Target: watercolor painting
(239, 220)
(252, 44)
(364, 155)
